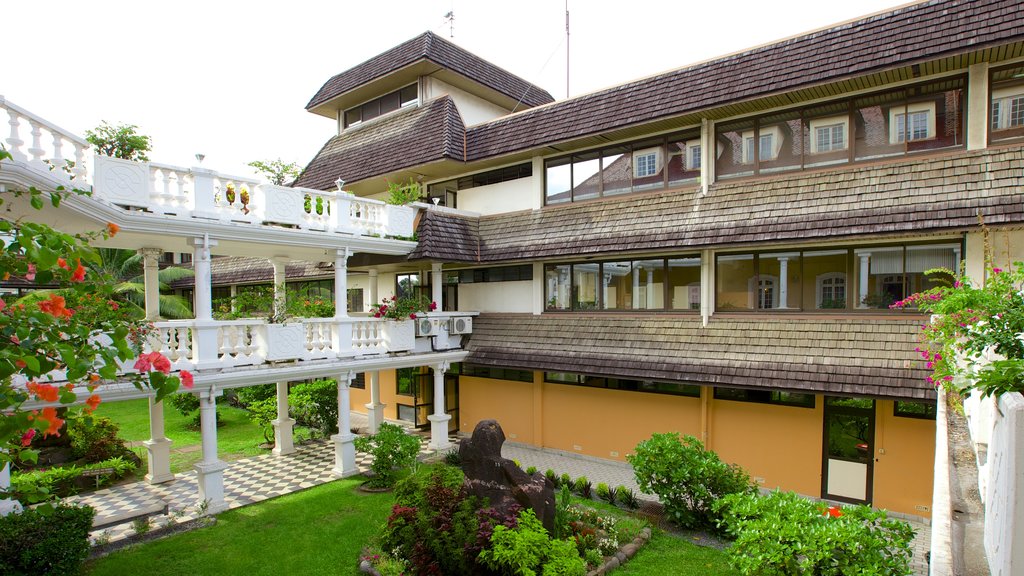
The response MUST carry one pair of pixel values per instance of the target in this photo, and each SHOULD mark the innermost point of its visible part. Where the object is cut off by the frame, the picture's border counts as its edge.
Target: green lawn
(237, 436)
(668, 554)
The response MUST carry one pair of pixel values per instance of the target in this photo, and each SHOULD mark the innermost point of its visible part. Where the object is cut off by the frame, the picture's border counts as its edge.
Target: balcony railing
(42, 144)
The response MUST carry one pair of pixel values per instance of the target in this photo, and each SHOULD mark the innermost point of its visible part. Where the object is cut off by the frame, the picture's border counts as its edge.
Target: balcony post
(341, 283)
(158, 446)
(204, 341)
(7, 505)
(280, 287)
(865, 270)
(374, 296)
(436, 288)
(636, 288)
(210, 470)
(375, 410)
(283, 440)
(784, 282)
(650, 289)
(439, 419)
(151, 281)
(203, 190)
(344, 446)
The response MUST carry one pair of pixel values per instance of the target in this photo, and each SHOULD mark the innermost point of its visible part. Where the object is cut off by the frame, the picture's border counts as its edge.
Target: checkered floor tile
(246, 481)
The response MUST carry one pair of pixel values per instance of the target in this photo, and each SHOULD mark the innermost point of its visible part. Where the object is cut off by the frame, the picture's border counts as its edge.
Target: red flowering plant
(402, 308)
(67, 340)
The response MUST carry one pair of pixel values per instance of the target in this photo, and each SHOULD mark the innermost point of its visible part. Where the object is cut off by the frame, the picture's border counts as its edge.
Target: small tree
(276, 170)
(121, 141)
(393, 450)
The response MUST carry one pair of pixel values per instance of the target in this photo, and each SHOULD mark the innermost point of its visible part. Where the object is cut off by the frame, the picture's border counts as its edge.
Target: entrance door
(848, 460)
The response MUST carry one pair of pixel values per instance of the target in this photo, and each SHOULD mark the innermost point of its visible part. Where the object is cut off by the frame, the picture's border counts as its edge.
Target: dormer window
(1006, 108)
(379, 106)
(916, 122)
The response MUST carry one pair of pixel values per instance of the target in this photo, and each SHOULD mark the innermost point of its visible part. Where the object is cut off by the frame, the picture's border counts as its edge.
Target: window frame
(897, 136)
(379, 102)
(775, 396)
(666, 297)
(927, 415)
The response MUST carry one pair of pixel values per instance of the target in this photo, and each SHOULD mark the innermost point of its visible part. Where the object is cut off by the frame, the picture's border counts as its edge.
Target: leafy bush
(315, 404)
(605, 493)
(393, 450)
(552, 477)
(565, 480)
(263, 413)
(452, 457)
(187, 404)
(246, 396)
(783, 534)
(583, 487)
(686, 477)
(627, 497)
(45, 540)
(65, 480)
(527, 550)
(531, 470)
(95, 439)
(403, 193)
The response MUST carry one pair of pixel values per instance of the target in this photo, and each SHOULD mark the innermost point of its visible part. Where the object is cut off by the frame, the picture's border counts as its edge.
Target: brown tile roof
(417, 135)
(429, 46)
(901, 37)
(446, 237)
(859, 356)
(245, 270)
(914, 195)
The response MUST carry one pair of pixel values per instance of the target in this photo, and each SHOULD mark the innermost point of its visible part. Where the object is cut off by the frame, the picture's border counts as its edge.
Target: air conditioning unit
(461, 325)
(426, 327)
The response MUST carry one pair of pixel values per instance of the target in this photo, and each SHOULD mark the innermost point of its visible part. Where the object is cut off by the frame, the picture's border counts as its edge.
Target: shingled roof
(869, 356)
(409, 137)
(246, 270)
(447, 237)
(901, 37)
(429, 46)
(913, 196)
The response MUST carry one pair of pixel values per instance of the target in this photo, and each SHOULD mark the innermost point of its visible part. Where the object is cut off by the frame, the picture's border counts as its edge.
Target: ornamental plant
(406, 307)
(393, 452)
(61, 333)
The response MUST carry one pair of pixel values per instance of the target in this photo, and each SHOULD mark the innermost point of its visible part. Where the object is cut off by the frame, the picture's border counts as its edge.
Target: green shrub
(531, 470)
(45, 540)
(783, 534)
(246, 396)
(565, 480)
(187, 404)
(95, 439)
(263, 413)
(393, 451)
(452, 457)
(627, 497)
(552, 477)
(315, 404)
(603, 491)
(527, 550)
(686, 477)
(65, 480)
(583, 487)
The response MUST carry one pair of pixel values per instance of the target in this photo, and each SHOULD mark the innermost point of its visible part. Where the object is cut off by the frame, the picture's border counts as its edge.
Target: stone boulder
(499, 480)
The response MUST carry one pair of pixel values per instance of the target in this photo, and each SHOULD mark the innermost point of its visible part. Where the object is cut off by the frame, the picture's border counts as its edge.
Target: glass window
(883, 268)
(685, 157)
(407, 285)
(558, 181)
(824, 285)
(586, 176)
(497, 373)
(734, 274)
(584, 286)
(873, 115)
(406, 413)
(649, 281)
(907, 409)
(405, 381)
(735, 149)
(618, 285)
(778, 281)
(1007, 108)
(684, 283)
(408, 95)
(557, 286)
(934, 115)
(390, 103)
(780, 142)
(766, 396)
(826, 135)
(923, 258)
(648, 165)
(353, 117)
(386, 103)
(616, 170)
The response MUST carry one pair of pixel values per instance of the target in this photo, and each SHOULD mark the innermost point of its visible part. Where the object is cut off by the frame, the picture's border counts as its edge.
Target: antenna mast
(566, 49)
(449, 19)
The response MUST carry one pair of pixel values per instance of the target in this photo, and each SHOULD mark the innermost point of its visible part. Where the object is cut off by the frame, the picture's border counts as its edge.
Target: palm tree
(125, 266)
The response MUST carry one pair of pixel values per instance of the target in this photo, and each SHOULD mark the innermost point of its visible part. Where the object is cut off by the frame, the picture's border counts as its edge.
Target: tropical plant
(402, 308)
(393, 452)
(121, 141)
(403, 193)
(276, 171)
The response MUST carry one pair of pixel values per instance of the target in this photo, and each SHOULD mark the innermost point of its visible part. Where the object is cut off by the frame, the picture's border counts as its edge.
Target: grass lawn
(317, 531)
(237, 436)
(669, 554)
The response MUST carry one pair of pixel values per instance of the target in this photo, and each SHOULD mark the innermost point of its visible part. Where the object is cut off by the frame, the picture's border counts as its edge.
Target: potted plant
(400, 315)
(400, 215)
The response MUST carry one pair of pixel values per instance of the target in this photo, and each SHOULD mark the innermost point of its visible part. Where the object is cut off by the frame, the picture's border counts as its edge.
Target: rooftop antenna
(449, 19)
(566, 49)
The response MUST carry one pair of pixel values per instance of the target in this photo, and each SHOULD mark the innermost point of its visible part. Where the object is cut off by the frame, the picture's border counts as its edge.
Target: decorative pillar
(158, 446)
(374, 296)
(650, 289)
(341, 283)
(280, 288)
(374, 410)
(439, 419)
(607, 280)
(784, 282)
(151, 281)
(344, 446)
(7, 505)
(283, 440)
(977, 106)
(865, 271)
(636, 288)
(210, 470)
(436, 288)
(204, 337)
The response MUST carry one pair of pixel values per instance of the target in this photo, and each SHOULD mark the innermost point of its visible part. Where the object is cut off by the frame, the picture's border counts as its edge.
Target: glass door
(848, 459)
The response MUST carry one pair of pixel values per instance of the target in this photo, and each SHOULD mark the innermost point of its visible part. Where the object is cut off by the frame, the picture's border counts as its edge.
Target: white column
(374, 410)
(636, 288)
(707, 285)
(210, 470)
(374, 295)
(865, 271)
(341, 283)
(204, 340)
(151, 281)
(344, 447)
(439, 419)
(158, 446)
(604, 290)
(650, 289)
(280, 281)
(436, 288)
(7, 505)
(538, 289)
(708, 154)
(977, 106)
(784, 282)
(283, 425)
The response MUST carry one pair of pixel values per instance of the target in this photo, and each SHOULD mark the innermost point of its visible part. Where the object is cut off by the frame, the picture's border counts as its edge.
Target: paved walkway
(255, 479)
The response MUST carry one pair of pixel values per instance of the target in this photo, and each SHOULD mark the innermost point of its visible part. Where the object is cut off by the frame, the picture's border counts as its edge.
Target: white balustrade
(319, 338)
(367, 336)
(40, 144)
(171, 189)
(232, 197)
(235, 345)
(367, 215)
(173, 339)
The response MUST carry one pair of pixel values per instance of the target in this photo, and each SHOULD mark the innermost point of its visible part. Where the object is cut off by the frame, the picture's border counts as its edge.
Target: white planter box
(282, 341)
(399, 335)
(279, 204)
(399, 220)
(122, 182)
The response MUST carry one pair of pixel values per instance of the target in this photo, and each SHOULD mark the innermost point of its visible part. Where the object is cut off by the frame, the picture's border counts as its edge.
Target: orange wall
(781, 444)
(904, 472)
(508, 402)
(609, 423)
(358, 399)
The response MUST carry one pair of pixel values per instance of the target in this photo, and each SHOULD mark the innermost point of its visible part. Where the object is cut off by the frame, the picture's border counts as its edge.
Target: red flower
(186, 379)
(143, 364)
(20, 363)
(2, 304)
(45, 392)
(113, 305)
(433, 306)
(62, 263)
(113, 229)
(160, 362)
(92, 402)
(50, 415)
(833, 511)
(79, 274)
(15, 340)
(26, 438)
(412, 316)
(55, 307)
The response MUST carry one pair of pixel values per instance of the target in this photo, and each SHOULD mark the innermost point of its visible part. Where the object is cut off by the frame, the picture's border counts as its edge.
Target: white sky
(231, 79)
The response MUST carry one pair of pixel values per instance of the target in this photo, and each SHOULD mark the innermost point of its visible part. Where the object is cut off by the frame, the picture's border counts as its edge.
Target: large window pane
(877, 133)
(779, 142)
(618, 285)
(586, 176)
(585, 286)
(825, 285)
(684, 283)
(778, 281)
(934, 119)
(736, 149)
(648, 165)
(557, 181)
(685, 157)
(735, 274)
(827, 135)
(616, 170)
(649, 280)
(930, 257)
(880, 278)
(1006, 111)
(556, 286)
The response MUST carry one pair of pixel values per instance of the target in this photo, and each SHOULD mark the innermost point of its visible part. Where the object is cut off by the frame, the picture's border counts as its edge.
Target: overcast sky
(231, 79)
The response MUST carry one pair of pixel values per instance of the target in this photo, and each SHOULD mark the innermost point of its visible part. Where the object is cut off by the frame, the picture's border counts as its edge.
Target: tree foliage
(121, 141)
(277, 171)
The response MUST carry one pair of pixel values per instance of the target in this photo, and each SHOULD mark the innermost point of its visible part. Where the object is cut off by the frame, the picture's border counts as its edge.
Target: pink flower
(160, 362)
(186, 379)
(143, 364)
(31, 275)
(433, 306)
(412, 316)
(997, 270)
(26, 438)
